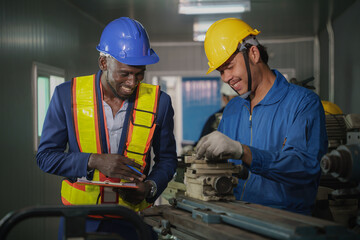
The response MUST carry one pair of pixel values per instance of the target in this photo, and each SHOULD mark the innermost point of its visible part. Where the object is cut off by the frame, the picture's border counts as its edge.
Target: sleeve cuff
(153, 191)
(257, 163)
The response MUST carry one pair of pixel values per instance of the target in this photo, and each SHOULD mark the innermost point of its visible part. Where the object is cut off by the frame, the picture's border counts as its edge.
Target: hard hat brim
(210, 70)
(136, 61)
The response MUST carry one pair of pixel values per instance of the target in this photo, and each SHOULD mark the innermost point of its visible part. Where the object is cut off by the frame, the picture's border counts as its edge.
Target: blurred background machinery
(339, 192)
(341, 128)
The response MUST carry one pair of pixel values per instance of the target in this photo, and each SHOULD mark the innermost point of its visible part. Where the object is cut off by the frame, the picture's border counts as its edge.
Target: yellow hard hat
(331, 108)
(223, 38)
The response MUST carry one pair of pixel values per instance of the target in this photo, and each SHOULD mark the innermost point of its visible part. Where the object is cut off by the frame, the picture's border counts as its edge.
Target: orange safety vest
(86, 121)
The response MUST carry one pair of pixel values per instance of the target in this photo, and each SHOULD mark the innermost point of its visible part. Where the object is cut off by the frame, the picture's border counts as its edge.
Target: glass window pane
(201, 98)
(43, 99)
(54, 81)
(44, 80)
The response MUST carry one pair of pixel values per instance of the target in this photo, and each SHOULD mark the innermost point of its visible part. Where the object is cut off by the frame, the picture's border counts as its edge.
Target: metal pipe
(73, 213)
(317, 64)
(331, 55)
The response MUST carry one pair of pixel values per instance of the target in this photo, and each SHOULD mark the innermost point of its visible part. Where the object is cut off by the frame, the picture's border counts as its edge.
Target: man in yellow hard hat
(276, 129)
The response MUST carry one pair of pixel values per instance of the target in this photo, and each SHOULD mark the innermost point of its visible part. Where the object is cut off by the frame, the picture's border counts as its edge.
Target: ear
(254, 55)
(102, 61)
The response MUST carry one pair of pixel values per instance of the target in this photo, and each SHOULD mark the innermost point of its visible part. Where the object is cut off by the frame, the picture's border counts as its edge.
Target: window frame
(41, 69)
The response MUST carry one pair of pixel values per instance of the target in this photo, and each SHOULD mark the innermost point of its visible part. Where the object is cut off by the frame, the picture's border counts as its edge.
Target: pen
(134, 169)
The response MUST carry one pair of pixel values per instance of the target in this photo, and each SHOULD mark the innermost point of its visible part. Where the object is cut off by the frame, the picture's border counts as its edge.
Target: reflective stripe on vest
(86, 122)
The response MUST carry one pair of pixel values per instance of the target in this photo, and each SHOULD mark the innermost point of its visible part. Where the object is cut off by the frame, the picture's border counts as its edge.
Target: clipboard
(107, 183)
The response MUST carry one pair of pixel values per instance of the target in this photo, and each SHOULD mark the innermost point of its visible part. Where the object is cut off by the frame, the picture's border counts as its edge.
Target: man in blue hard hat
(110, 121)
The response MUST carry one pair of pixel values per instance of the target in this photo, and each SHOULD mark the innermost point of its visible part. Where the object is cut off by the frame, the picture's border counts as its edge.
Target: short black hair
(262, 49)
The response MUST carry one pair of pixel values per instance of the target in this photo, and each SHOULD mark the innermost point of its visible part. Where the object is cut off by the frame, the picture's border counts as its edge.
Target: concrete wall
(346, 60)
(186, 58)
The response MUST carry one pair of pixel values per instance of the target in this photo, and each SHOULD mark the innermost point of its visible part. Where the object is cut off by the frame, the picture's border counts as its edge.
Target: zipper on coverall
(250, 125)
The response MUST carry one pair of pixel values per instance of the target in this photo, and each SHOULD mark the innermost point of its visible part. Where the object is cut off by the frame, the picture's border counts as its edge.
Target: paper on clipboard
(107, 183)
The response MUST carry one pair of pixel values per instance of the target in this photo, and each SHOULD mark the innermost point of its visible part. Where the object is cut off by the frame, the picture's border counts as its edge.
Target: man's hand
(218, 146)
(116, 166)
(135, 195)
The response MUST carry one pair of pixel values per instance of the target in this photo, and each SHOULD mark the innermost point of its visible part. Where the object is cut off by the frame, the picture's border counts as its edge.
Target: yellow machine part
(331, 108)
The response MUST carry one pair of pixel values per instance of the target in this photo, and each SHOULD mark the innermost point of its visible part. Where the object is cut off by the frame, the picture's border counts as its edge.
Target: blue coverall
(287, 137)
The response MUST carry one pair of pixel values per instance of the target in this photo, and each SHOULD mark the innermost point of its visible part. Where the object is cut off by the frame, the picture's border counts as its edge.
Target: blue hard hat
(127, 41)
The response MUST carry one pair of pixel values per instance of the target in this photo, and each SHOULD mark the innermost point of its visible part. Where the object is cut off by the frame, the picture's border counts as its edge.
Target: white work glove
(218, 146)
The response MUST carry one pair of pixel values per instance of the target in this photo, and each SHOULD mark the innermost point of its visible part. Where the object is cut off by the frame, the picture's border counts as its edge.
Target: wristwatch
(153, 189)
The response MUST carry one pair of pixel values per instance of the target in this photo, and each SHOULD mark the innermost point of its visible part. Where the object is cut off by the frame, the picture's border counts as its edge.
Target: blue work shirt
(287, 137)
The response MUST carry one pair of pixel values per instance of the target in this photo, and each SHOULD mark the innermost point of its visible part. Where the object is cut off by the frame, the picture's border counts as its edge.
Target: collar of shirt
(277, 91)
(115, 125)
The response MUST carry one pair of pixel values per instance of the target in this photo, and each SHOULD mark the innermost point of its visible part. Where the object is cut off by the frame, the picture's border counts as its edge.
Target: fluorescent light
(193, 10)
(198, 7)
(202, 24)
